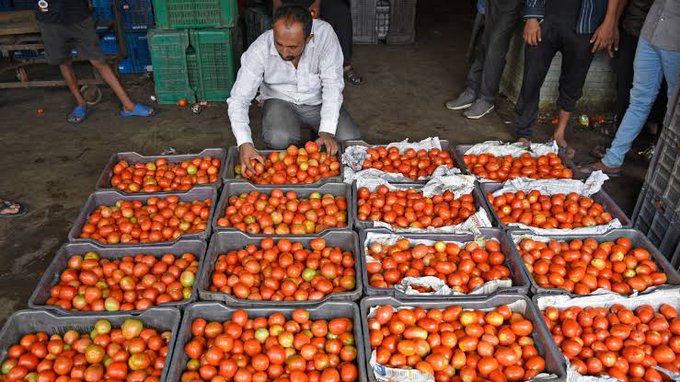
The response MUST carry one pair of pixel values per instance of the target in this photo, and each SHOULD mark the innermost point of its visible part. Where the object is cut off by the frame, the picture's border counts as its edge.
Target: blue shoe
(138, 111)
(78, 115)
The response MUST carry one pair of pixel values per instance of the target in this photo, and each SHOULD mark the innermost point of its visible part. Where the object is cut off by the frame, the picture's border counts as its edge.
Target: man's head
(292, 30)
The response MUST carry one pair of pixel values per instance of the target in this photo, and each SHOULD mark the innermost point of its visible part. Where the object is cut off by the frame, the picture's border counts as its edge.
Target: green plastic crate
(170, 69)
(196, 13)
(212, 67)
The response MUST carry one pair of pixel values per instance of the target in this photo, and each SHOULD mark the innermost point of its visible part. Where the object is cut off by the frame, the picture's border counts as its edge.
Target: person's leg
(576, 59)
(339, 14)
(646, 81)
(503, 18)
(110, 78)
(670, 61)
(71, 81)
(280, 124)
(623, 67)
(347, 129)
(537, 61)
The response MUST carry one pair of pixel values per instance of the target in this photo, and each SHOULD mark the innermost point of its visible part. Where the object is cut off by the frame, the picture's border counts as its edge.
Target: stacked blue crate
(138, 55)
(102, 9)
(137, 15)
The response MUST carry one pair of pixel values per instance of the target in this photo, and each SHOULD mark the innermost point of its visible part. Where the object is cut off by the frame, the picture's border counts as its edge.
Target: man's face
(289, 39)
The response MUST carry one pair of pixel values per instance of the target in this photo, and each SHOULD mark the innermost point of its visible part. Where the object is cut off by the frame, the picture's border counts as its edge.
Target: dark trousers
(282, 122)
(576, 58)
(339, 14)
(501, 20)
(623, 67)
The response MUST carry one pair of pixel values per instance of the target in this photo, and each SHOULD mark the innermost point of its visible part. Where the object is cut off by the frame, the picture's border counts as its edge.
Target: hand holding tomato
(247, 155)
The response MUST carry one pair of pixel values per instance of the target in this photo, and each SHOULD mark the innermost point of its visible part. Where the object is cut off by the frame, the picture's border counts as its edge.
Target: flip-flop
(352, 77)
(138, 111)
(78, 115)
(589, 168)
(5, 204)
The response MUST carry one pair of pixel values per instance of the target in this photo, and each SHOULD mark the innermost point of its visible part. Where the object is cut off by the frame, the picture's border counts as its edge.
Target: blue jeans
(651, 66)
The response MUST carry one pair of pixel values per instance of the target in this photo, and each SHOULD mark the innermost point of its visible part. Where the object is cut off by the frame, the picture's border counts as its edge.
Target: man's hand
(604, 37)
(532, 32)
(328, 140)
(247, 152)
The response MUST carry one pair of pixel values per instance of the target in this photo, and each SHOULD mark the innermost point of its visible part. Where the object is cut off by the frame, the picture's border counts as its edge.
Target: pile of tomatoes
(616, 341)
(91, 283)
(284, 213)
(463, 269)
(502, 168)
(582, 266)
(160, 175)
(130, 352)
(411, 163)
(410, 208)
(563, 211)
(292, 166)
(284, 270)
(275, 348)
(470, 345)
(159, 219)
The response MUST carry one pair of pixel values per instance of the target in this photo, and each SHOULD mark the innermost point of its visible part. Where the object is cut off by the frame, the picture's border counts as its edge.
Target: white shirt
(318, 79)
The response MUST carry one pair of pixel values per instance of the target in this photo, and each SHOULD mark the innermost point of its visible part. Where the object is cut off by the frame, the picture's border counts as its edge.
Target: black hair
(295, 13)
(303, 3)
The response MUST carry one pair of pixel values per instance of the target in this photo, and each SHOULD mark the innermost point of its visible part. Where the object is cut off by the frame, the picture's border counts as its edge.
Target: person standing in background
(338, 13)
(68, 24)
(632, 19)
(657, 57)
(481, 86)
(575, 28)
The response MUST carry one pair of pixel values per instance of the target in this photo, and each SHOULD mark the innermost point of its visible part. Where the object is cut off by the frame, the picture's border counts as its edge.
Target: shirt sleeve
(534, 9)
(248, 80)
(332, 83)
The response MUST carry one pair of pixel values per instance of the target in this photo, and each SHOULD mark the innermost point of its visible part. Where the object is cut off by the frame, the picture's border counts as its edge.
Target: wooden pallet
(18, 22)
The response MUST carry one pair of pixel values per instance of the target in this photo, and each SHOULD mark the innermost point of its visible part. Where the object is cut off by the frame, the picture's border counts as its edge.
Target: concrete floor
(53, 166)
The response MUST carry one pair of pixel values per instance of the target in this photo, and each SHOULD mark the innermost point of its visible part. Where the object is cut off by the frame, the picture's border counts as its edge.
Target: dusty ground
(53, 166)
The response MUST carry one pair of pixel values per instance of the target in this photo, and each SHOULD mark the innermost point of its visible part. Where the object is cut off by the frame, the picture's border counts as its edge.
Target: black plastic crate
(665, 173)
(41, 294)
(637, 239)
(402, 27)
(257, 21)
(31, 321)
(600, 197)
(655, 217)
(111, 197)
(521, 304)
(222, 242)
(364, 21)
(520, 280)
(359, 225)
(460, 150)
(445, 146)
(104, 181)
(215, 311)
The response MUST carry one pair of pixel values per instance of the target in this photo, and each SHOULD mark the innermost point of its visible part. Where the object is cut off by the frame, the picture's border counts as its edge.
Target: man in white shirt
(297, 66)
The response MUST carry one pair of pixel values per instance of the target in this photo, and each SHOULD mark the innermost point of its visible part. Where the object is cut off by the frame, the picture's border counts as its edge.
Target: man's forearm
(612, 11)
(621, 8)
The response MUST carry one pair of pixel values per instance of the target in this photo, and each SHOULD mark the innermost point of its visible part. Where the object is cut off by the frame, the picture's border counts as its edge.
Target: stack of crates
(137, 19)
(194, 49)
(657, 212)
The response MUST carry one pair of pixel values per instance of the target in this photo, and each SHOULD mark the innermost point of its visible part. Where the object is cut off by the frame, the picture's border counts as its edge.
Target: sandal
(139, 111)
(587, 169)
(352, 77)
(78, 115)
(11, 209)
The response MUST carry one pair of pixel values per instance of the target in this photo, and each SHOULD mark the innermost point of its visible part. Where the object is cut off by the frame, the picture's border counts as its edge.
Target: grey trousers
(282, 121)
